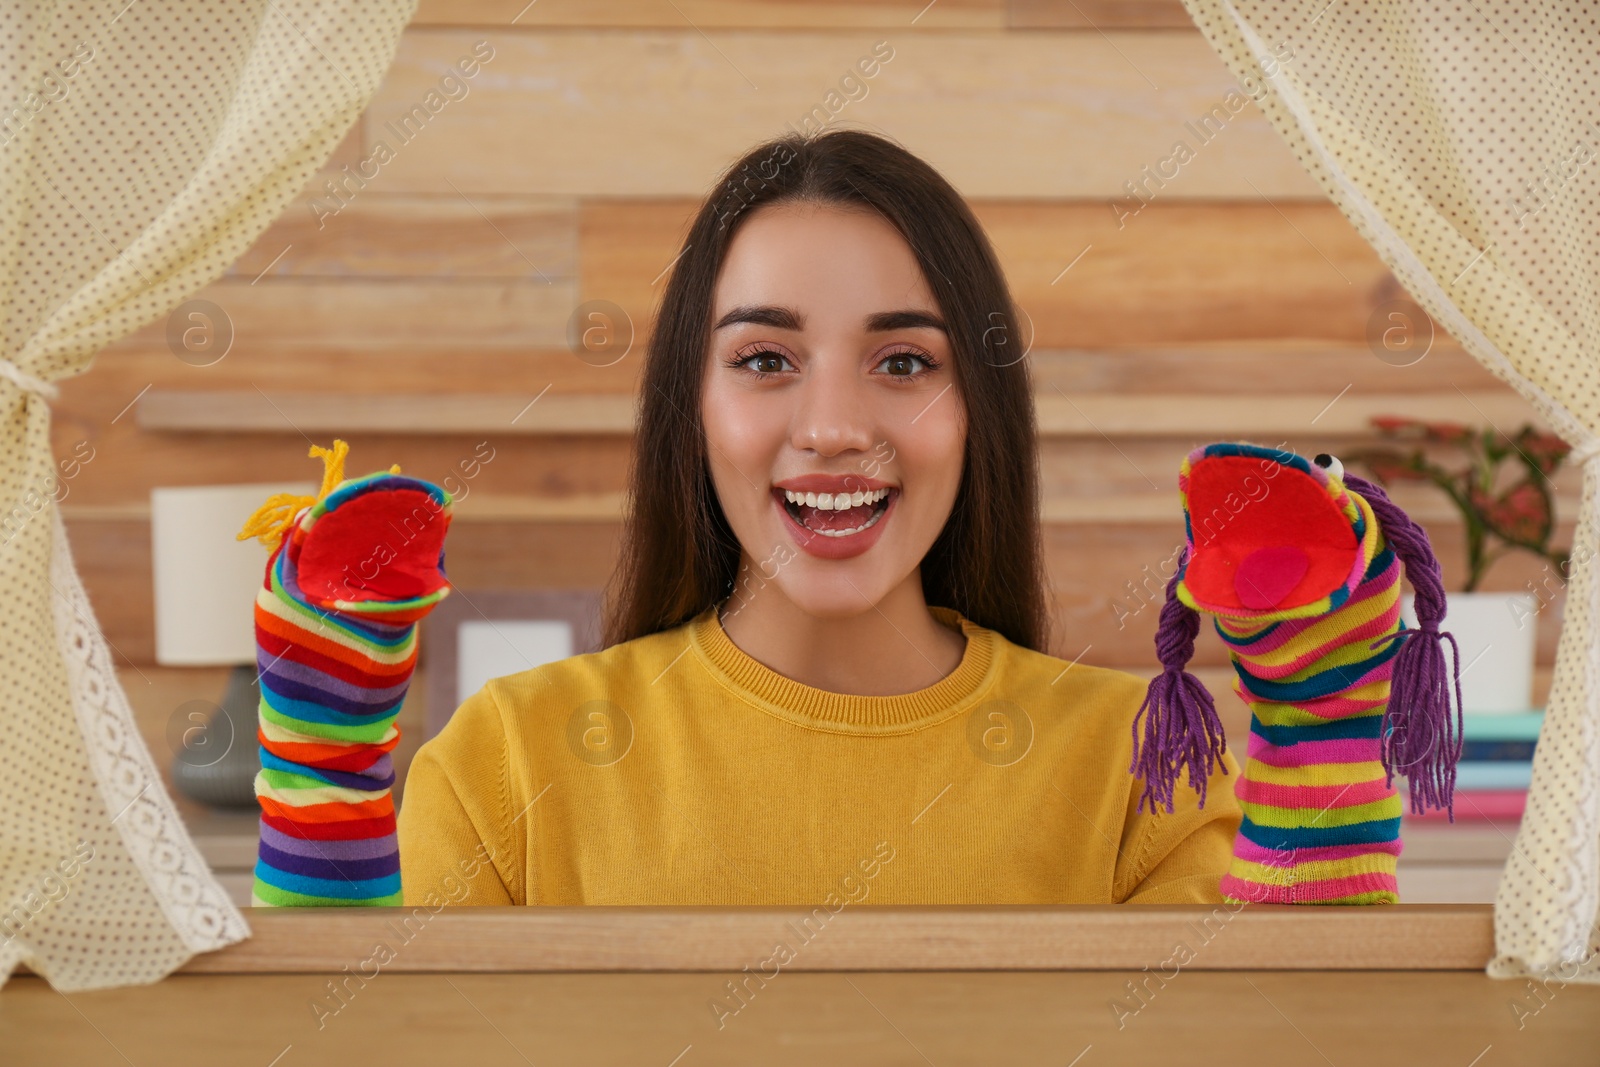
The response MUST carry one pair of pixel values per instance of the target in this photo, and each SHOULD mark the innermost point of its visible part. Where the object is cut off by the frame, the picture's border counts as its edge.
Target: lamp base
(225, 780)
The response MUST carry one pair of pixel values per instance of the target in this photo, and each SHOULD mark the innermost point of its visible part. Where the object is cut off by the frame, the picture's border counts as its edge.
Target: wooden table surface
(677, 987)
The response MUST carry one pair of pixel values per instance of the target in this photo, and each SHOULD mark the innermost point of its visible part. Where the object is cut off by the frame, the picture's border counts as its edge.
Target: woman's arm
(459, 838)
(1179, 857)
(443, 858)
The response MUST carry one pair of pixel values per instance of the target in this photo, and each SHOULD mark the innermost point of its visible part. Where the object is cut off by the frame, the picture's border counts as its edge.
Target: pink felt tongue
(848, 519)
(1267, 575)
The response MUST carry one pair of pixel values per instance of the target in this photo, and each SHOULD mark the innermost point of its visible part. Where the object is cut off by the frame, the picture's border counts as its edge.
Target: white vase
(1495, 634)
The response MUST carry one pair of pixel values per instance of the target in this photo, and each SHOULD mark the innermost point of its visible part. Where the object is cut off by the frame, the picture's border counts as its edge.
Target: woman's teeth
(835, 501)
(876, 515)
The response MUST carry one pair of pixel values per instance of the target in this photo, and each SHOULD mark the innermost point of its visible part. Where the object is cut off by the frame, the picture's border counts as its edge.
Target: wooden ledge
(1430, 937)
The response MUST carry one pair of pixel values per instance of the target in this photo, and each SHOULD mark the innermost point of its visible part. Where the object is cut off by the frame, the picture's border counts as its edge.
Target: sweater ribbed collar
(820, 709)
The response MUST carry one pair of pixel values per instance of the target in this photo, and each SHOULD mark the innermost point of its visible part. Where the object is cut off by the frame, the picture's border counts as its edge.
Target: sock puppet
(1300, 563)
(351, 572)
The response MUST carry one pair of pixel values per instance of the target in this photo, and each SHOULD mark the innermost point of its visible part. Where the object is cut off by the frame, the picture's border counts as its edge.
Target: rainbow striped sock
(1320, 825)
(336, 648)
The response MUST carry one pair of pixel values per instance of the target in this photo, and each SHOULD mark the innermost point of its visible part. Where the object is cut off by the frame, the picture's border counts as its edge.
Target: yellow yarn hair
(273, 519)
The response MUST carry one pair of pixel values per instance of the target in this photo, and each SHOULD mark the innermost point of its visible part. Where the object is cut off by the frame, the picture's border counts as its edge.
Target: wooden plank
(114, 564)
(810, 14)
(337, 229)
(1097, 15)
(1177, 273)
(415, 366)
(1057, 413)
(117, 483)
(1095, 274)
(1256, 368)
(337, 412)
(1430, 937)
(397, 313)
(715, 14)
(1246, 417)
(626, 249)
(999, 114)
(356, 1010)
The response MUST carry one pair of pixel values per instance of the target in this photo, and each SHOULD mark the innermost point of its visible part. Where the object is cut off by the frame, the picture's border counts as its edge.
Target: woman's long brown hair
(679, 555)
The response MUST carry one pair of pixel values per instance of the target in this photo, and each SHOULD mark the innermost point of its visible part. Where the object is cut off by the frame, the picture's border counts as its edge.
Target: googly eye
(1331, 464)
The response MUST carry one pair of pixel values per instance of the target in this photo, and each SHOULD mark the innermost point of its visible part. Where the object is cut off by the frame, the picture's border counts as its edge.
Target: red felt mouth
(380, 545)
(1266, 537)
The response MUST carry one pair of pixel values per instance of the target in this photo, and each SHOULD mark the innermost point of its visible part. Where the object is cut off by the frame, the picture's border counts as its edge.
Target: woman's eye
(903, 364)
(762, 363)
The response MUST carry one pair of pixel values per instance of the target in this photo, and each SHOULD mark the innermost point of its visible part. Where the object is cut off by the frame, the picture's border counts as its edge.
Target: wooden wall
(421, 310)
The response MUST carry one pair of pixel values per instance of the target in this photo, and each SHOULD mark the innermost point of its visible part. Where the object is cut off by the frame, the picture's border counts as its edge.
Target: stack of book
(1495, 770)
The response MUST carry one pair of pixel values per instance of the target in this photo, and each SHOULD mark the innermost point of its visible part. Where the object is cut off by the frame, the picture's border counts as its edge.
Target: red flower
(1446, 431)
(1544, 450)
(1393, 423)
(1522, 514)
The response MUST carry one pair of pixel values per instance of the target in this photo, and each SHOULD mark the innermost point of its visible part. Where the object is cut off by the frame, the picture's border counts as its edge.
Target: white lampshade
(205, 578)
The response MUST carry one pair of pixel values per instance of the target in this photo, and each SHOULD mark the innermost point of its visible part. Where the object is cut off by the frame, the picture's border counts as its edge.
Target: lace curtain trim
(136, 800)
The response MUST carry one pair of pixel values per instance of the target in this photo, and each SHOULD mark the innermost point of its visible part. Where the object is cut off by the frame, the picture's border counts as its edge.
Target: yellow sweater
(676, 769)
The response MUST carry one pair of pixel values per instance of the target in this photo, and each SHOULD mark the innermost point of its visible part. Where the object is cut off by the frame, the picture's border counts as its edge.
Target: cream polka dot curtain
(1461, 140)
(143, 147)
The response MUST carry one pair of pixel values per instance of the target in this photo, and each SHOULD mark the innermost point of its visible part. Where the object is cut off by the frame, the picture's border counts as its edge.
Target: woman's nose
(832, 411)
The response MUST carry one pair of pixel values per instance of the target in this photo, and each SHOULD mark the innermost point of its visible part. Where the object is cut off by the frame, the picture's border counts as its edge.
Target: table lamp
(205, 590)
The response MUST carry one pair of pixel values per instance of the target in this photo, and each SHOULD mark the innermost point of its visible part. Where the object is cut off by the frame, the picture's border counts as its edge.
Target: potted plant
(1506, 507)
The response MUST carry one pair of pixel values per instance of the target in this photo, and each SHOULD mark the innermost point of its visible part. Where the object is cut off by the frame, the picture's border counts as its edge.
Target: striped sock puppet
(1300, 563)
(351, 572)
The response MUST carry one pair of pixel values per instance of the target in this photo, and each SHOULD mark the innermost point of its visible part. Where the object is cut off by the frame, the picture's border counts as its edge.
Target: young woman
(825, 678)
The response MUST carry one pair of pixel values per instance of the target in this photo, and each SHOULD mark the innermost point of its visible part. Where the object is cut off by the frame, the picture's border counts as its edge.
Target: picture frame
(471, 633)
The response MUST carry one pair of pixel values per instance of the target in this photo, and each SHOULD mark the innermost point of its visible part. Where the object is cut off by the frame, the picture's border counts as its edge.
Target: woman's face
(829, 378)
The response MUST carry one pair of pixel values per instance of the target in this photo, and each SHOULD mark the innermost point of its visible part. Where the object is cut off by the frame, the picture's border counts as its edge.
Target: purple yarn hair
(1180, 720)
(1419, 738)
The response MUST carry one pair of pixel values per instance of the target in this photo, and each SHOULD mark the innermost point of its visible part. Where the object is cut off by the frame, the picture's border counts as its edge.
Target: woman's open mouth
(836, 525)
(837, 514)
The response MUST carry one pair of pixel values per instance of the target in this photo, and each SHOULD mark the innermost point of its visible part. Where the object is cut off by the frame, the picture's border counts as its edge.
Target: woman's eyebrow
(784, 318)
(906, 319)
(781, 318)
